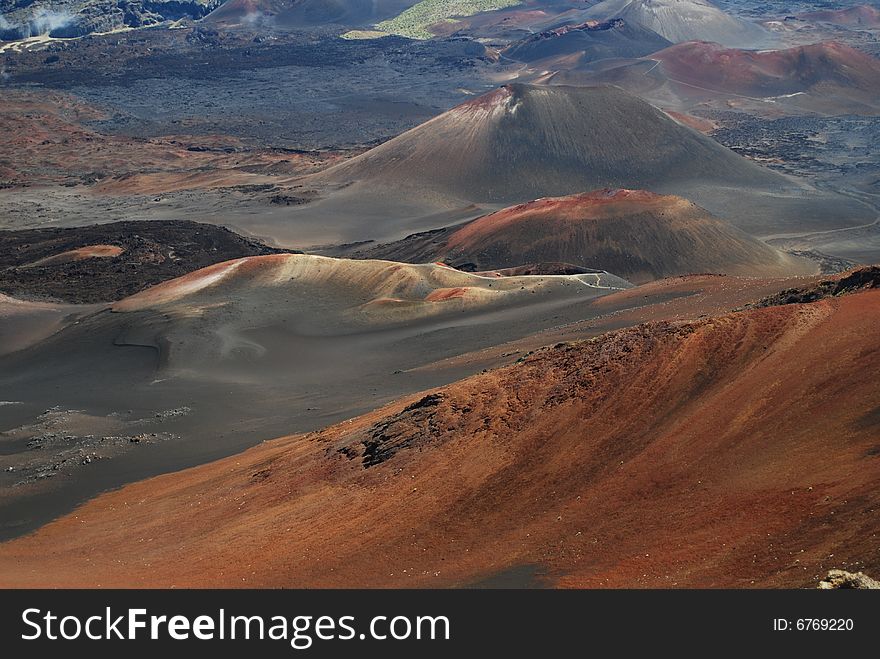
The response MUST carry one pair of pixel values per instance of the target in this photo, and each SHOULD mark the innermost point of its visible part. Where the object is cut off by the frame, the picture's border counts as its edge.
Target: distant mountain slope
(74, 18)
(825, 77)
(596, 40)
(859, 16)
(682, 20)
(775, 72)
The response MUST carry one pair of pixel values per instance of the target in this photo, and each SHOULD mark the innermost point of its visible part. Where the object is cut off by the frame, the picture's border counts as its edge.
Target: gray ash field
(290, 89)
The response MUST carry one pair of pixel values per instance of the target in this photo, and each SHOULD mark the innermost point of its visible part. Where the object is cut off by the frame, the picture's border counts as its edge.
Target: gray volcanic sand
(24, 323)
(245, 361)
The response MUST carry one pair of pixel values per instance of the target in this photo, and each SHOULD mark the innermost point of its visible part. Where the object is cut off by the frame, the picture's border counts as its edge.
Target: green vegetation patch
(414, 22)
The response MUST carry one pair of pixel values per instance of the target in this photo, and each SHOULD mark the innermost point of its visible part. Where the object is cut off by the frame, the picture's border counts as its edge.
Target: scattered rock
(428, 401)
(841, 579)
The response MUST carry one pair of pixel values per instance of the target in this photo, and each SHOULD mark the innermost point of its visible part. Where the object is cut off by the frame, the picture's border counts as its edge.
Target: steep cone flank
(774, 72)
(638, 234)
(592, 40)
(682, 20)
(521, 142)
(737, 451)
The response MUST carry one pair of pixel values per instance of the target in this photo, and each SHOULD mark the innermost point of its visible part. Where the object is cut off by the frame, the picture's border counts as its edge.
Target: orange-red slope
(773, 72)
(637, 235)
(733, 451)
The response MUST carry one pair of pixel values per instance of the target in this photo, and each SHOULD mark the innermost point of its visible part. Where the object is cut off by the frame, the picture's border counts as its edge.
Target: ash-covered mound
(682, 20)
(348, 293)
(107, 262)
(522, 142)
(636, 234)
(592, 40)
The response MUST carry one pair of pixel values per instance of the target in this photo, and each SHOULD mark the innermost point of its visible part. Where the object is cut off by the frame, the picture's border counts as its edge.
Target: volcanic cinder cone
(522, 142)
(682, 20)
(638, 234)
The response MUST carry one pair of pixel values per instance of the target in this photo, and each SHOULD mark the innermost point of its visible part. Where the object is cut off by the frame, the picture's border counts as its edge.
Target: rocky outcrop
(841, 579)
(107, 262)
(853, 281)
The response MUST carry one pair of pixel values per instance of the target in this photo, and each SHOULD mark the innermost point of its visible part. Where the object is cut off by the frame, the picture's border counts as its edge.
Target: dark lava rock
(152, 252)
(852, 282)
(412, 425)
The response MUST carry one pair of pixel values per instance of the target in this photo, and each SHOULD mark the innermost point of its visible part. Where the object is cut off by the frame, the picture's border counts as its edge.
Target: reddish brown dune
(637, 235)
(773, 72)
(828, 77)
(860, 16)
(733, 451)
(78, 254)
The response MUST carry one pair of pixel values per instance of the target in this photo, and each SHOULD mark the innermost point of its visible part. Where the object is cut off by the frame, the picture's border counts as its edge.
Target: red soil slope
(862, 15)
(735, 451)
(771, 73)
(635, 234)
